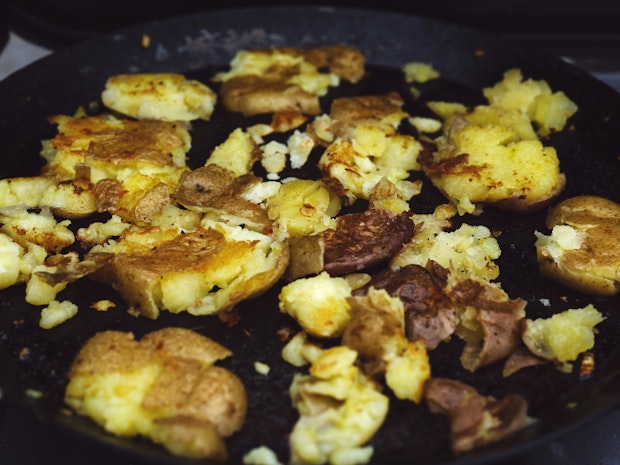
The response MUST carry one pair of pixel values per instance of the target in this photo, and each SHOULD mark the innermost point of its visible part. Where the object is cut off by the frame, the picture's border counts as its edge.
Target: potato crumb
(145, 41)
(103, 305)
(425, 124)
(262, 368)
(261, 455)
(419, 72)
(56, 313)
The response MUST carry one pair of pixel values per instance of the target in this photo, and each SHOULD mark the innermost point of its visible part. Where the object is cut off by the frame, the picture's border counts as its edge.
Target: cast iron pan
(34, 359)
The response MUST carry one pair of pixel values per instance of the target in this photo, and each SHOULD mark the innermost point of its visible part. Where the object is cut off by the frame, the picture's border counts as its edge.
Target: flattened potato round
(163, 387)
(582, 251)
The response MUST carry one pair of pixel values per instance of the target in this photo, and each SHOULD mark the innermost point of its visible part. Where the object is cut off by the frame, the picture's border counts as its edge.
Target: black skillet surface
(35, 360)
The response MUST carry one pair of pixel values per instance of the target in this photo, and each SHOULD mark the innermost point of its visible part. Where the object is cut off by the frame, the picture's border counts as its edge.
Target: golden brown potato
(134, 166)
(203, 272)
(582, 250)
(486, 162)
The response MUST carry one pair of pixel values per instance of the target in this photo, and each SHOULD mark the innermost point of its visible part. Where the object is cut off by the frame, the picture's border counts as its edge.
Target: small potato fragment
(582, 250)
(323, 317)
(302, 207)
(563, 336)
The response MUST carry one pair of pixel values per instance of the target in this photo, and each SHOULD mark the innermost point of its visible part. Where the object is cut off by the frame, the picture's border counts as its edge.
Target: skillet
(36, 361)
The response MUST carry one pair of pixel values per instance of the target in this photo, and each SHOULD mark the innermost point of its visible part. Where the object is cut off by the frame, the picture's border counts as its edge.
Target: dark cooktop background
(62, 22)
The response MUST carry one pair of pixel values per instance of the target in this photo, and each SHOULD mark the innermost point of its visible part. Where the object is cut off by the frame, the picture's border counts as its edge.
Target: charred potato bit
(363, 240)
(475, 419)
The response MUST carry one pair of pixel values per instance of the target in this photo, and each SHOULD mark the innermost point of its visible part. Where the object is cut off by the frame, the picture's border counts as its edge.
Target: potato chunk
(488, 163)
(324, 317)
(492, 154)
(563, 336)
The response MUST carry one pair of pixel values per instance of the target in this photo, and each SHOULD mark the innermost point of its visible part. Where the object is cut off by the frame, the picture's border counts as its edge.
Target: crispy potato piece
(108, 146)
(383, 112)
(475, 419)
(133, 165)
(582, 250)
(202, 272)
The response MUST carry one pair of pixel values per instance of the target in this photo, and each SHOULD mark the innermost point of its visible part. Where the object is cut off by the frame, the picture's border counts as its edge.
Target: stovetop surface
(24, 440)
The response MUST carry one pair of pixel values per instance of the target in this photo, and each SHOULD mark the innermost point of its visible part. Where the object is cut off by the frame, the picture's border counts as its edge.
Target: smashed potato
(487, 163)
(491, 154)
(582, 250)
(164, 386)
(163, 96)
(562, 336)
(202, 272)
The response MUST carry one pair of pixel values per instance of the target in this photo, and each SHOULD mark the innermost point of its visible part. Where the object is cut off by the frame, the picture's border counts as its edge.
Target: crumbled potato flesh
(340, 410)
(563, 336)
